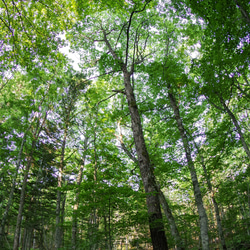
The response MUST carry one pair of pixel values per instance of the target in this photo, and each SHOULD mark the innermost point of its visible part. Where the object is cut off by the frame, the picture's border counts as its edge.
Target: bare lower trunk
(197, 193)
(59, 215)
(157, 232)
(74, 223)
(22, 198)
(216, 207)
(79, 181)
(168, 213)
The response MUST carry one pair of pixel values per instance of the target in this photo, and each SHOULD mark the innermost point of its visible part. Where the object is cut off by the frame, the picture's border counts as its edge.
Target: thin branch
(8, 26)
(106, 99)
(239, 88)
(123, 26)
(119, 137)
(109, 45)
(122, 91)
(127, 44)
(128, 29)
(246, 80)
(221, 109)
(243, 12)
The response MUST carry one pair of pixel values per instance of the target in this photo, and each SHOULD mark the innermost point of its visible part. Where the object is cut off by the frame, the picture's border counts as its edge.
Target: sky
(72, 56)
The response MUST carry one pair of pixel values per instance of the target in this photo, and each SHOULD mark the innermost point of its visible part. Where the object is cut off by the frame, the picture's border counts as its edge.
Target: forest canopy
(144, 145)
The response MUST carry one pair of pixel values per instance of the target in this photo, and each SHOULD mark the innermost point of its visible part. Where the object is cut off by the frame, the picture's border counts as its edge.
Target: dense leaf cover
(146, 146)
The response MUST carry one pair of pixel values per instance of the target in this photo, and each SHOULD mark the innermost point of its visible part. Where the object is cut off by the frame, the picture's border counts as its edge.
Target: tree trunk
(7, 209)
(197, 193)
(236, 124)
(78, 182)
(167, 211)
(216, 207)
(58, 210)
(58, 233)
(74, 219)
(157, 232)
(156, 225)
(22, 198)
(109, 227)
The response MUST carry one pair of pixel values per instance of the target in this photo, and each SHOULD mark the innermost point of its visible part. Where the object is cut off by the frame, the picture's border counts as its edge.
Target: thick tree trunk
(236, 124)
(156, 225)
(197, 193)
(157, 232)
(167, 211)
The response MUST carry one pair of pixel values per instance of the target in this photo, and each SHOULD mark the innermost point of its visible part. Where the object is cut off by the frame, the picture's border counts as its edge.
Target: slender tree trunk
(22, 198)
(216, 207)
(74, 217)
(78, 182)
(58, 210)
(62, 217)
(106, 232)
(157, 232)
(68, 107)
(168, 213)
(109, 227)
(7, 209)
(197, 193)
(236, 124)
(248, 197)
(58, 233)
(25, 179)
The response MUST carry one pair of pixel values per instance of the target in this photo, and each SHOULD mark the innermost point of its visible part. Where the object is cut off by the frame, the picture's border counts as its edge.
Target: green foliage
(102, 187)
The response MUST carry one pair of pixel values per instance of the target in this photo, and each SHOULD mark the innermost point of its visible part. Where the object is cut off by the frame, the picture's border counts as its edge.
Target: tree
(158, 114)
(121, 61)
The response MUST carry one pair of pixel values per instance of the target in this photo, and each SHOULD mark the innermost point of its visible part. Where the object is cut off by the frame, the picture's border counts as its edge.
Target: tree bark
(236, 124)
(216, 207)
(157, 232)
(25, 180)
(167, 211)
(197, 193)
(22, 198)
(79, 181)
(159, 240)
(58, 233)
